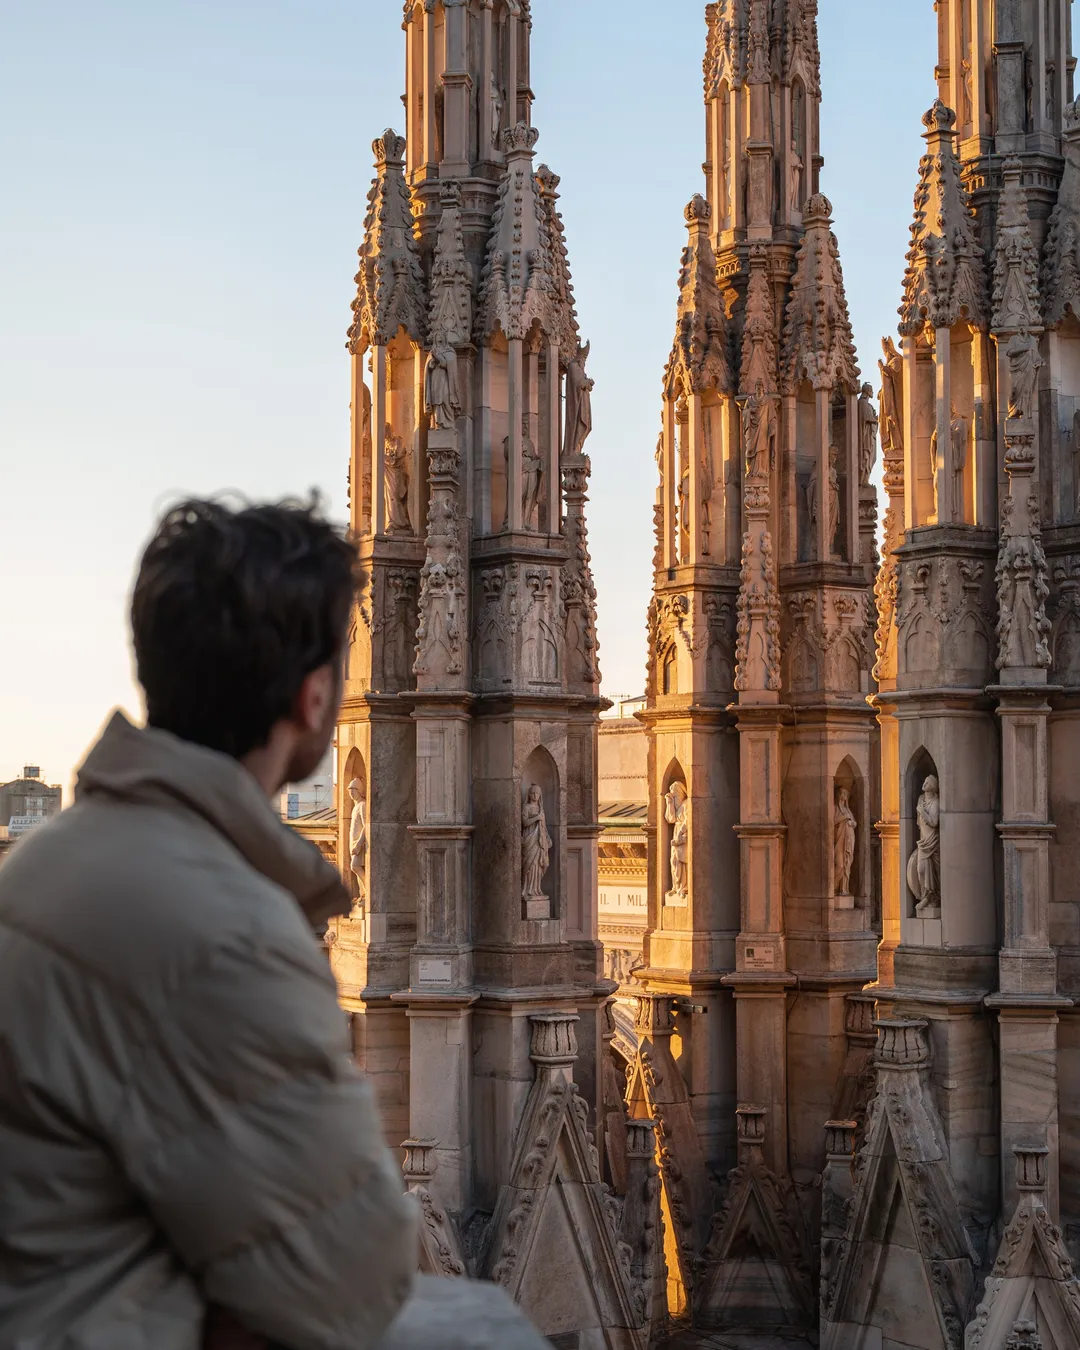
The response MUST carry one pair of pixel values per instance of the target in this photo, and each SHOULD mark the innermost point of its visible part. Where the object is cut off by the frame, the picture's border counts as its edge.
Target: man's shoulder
(136, 890)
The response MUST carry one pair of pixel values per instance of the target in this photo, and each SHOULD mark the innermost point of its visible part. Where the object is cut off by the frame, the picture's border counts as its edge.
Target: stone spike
(818, 343)
(759, 327)
(390, 283)
(945, 278)
(563, 315)
(699, 356)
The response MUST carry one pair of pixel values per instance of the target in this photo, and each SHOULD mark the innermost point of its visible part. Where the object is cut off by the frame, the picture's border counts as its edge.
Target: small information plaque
(759, 958)
(436, 970)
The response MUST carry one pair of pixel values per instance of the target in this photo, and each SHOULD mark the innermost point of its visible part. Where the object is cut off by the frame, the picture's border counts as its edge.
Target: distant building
(313, 794)
(623, 813)
(25, 803)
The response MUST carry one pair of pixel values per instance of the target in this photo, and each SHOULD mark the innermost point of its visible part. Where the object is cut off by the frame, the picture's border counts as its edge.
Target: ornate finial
(640, 1138)
(840, 1139)
(519, 139)
(939, 118)
(420, 1163)
(548, 181)
(697, 209)
(751, 1127)
(389, 148)
(450, 195)
(818, 208)
(902, 1043)
(1031, 1167)
(554, 1040)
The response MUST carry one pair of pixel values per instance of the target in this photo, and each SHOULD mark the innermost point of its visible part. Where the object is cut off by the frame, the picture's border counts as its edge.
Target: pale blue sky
(184, 191)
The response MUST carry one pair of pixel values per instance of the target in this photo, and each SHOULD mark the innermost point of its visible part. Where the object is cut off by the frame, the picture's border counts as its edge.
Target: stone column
(457, 87)
(554, 446)
(943, 396)
(379, 408)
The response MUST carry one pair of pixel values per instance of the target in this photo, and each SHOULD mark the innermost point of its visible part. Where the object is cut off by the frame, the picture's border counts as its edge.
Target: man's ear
(315, 699)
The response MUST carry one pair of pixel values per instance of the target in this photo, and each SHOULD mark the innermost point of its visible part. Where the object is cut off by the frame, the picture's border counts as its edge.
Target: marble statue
(892, 399)
(832, 520)
(535, 845)
(358, 842)
(934, 472)
(758, 431)
(496, 104)
(578, 403)
(441, 393)
(532, 473)
(396, 468)
(958, 442)
(676, 815)
(924, 865)
(795, 170)
(365, 454)
(844, 830)
(1024, 366)
(868, 434)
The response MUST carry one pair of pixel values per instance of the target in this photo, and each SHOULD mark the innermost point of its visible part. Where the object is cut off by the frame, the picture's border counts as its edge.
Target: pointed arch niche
(354, 770)
(542, 902)
(674, 800)
(849, 780)
(919, 929)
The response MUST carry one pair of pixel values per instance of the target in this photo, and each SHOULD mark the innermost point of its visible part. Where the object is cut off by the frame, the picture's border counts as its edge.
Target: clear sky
(184, 190)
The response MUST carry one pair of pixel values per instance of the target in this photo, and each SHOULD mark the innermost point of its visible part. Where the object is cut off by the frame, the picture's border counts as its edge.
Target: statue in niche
(441, 393)
(365, 456)
(1025, 363)
(532, 473)
(844, 830)
(396, 468)
(892, 399)
(496, 105)
(958, 442)
(675, 813)
(924, 865)
(578, 403)
(832, 521)
(795, 171)
(934, 472)
(966, 103)
(758, 431)
(868, 434)
(707, 485)
(535, 845)
(358, 844)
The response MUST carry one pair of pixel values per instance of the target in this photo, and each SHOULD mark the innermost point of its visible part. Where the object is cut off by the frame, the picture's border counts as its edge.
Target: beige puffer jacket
(180, 1120)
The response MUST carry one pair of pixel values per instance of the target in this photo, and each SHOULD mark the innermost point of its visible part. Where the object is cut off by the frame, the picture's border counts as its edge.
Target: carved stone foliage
(498, 618)
(386, 630)
(526, 276)
(886, 587)
(578, 587)
(390, 283)
(946, 270)
(450, 321)
(1023, 628)
(942, 620)
(699, 359)
(555, 1196)
(826, 642)
(669, 618)
(904, 1247)
(1033, 1284)
(1061, 254)
(757, 647)
(1016, 259)
(540, 644)
(818, 344)
(758, 365)
(756, 1268)
(1066, 626)
(443, 620)
(440, 1245)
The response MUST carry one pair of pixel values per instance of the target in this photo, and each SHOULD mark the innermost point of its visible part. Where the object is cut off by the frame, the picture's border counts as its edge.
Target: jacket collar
(143, 764)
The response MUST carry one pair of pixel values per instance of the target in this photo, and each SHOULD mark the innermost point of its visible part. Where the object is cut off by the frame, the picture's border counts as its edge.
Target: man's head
(240, 620)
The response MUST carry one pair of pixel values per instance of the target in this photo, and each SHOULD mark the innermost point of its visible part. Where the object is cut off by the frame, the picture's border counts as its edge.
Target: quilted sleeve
(256, 1145)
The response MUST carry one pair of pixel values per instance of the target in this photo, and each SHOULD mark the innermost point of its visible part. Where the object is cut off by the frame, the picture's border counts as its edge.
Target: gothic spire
(390, 283)
(699, 356)
(946, 271)
(818, 344)
(513, 291)
(1016, 260)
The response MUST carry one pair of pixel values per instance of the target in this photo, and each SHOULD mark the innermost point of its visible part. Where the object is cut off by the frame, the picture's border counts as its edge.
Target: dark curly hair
(232, 609)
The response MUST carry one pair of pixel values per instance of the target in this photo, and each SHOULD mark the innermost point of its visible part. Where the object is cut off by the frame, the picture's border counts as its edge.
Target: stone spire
(699, 358)
(390, 294)
(818, 343)
(946, 272)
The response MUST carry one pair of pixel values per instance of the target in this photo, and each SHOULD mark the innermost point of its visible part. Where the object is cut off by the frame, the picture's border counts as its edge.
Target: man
(181, 1126)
